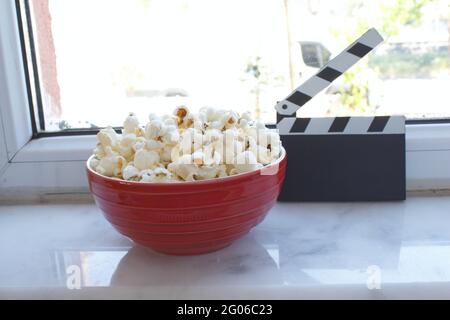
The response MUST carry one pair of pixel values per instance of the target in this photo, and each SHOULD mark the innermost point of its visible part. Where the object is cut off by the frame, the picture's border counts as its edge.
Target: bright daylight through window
(100, 59)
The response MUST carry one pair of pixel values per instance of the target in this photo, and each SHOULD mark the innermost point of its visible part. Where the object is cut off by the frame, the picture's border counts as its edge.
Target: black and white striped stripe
(342, 125)
(332, 70)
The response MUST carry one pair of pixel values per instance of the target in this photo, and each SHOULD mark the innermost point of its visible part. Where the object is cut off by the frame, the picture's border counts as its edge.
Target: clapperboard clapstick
(330, 72)
(341, 158)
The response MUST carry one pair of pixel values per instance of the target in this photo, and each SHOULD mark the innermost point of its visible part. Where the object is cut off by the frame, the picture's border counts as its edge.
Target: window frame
(14, 103)
(40, 162)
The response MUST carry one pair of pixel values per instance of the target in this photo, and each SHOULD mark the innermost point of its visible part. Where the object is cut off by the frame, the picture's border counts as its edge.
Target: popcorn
(274, 145)
(131, 124)
(190, 121)
(186, 171)
(217, 124)
(140, 132)
(108, 137)
(154, 130)
(146, 176)
(139, 144)
(198, 158)
(250, 144)
(169, 120)
(166, 154)
(212, 135)
(191, 140)
(94, 163)
(185, 159)
(99, 151)
(244, 121)
(263, 155)
(144, 159)
(171, 136)
(232, 146)
(185, 146)
(111, 165)
(159, 175)
(210, 172)
(130, 172)
(154, 145)
(181, 113)
(246, 161)
(126, 146)
(162, 175)
(211, 156)
(211, 114)
(176, 154)
(230, 119)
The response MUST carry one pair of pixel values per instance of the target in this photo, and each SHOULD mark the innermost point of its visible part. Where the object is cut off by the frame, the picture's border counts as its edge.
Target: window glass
(100, 59)
(311, 55)
(325, 55)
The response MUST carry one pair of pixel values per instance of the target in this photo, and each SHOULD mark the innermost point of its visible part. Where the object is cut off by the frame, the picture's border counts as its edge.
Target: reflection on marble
(96, 267)
(298, 246)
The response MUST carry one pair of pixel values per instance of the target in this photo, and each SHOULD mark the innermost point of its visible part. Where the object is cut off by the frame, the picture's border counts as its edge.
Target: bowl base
(187, 252)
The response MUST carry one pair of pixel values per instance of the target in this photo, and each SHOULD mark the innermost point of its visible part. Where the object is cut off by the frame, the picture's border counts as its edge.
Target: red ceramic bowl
(188, 218)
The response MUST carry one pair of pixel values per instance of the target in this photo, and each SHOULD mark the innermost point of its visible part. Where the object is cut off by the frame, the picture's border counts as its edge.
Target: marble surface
(337, 250)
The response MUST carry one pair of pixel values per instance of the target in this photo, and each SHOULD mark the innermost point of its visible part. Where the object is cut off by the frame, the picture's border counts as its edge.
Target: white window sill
(57, 164)
(57, 149)
(305, 251)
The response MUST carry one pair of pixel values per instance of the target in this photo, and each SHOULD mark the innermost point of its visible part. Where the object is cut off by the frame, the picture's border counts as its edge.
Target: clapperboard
(341, 158)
